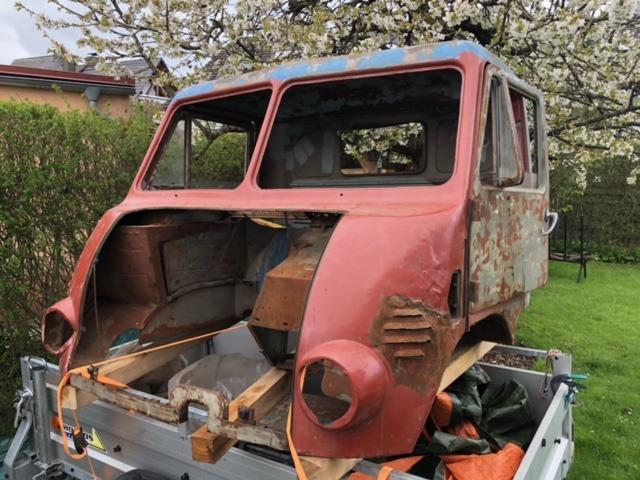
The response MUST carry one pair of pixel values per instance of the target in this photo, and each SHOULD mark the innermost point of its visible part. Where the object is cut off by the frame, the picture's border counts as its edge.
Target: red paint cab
(363, 214)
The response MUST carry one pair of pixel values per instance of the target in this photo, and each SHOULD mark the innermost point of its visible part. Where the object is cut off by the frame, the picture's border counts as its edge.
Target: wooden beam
(462, 359)
(260, 398)
(74, 398)
(130, 368)
(135, 365)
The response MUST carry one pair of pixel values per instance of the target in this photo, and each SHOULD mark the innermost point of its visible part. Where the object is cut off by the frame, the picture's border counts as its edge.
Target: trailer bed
(121, 441)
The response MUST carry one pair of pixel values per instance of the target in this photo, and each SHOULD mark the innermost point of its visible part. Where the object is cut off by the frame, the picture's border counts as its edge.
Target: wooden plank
(124, 370)
(261, 397)
(128, 369)
(462, 359)
(327, 468)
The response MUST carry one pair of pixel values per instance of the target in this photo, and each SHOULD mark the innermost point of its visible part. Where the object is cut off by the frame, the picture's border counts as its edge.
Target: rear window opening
(393, 129)
(390, 150)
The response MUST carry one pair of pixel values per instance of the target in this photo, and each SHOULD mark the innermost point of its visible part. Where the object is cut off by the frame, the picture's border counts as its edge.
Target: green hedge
(59, 172)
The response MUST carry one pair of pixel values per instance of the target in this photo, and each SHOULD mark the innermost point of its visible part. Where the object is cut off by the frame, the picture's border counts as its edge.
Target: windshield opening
(209, 144)
(385, 130)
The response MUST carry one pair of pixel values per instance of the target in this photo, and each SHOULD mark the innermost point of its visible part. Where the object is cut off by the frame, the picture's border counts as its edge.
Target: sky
(19, 36)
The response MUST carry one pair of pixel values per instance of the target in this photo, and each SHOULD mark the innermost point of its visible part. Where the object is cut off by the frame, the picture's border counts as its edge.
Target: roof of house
(136, 66)
(41, 77)
(350, 63)
(47, 62)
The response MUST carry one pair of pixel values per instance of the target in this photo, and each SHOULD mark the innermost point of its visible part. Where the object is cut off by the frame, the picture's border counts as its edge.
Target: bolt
(117, 449)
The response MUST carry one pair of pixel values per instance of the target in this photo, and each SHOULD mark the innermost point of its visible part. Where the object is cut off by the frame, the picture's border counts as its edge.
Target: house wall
(115, 105)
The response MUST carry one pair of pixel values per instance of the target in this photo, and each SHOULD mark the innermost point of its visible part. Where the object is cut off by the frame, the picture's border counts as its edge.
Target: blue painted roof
(334, 65)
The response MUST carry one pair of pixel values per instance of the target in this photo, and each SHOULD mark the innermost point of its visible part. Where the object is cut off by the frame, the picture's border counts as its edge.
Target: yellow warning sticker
(93, 439)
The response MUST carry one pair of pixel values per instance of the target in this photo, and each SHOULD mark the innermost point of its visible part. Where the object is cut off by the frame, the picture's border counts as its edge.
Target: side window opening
(524, 113)
(170, 170)
(210, 144)
(488, 152)
(501, 162)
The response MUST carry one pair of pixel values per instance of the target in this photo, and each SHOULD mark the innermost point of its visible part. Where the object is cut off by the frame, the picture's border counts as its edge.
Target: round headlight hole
(57, 330)
(326, 391)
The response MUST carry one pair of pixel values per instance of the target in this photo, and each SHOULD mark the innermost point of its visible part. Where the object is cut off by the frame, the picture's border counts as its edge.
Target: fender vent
(407, 332)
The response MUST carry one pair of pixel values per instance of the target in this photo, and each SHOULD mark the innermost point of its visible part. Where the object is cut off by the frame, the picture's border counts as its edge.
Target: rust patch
(412, 337)
(507, 248)
(281, 302)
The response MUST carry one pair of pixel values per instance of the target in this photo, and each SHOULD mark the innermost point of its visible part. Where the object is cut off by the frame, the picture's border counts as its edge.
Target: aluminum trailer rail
(121, 442)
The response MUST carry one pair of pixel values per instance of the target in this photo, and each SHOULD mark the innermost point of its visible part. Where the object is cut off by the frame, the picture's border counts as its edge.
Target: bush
(59, 172)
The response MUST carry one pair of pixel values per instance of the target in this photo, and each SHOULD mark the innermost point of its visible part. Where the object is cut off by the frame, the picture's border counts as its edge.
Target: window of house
(209, 144)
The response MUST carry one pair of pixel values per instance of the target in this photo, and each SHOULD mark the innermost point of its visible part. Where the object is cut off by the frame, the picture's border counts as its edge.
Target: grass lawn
(598, 322)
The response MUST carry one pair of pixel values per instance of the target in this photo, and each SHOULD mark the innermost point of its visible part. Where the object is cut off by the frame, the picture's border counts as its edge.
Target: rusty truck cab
(362, 214)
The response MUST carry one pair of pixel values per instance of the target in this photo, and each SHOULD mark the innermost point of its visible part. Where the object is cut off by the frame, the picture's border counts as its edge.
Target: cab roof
(348, 63)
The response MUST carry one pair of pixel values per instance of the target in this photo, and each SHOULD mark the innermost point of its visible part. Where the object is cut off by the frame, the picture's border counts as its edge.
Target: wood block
(131, 368)
(208, 447)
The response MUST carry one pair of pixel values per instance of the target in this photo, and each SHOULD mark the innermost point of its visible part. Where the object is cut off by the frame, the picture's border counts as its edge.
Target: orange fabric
(466, 429)
(442, 409)
(401, 464)
(496, 466)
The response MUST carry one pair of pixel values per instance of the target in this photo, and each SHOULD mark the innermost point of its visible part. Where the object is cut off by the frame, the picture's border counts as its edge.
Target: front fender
(380, 293)
(70, 308)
